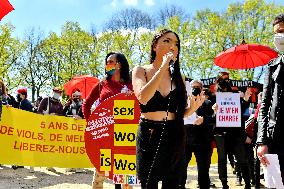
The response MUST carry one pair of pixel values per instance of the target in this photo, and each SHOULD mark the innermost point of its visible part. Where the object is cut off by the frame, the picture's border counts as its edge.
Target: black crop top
(160, 103)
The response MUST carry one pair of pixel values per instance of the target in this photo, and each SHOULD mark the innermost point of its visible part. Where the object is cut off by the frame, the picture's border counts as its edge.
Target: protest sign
(111, 138)
(229, 110)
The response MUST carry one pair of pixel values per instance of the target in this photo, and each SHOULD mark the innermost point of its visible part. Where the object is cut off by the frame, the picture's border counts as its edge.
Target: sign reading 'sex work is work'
(110, 138)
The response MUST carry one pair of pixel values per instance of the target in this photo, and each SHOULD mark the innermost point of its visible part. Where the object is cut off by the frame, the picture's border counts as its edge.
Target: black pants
(226, 142)
(159, 158)
(198, 142)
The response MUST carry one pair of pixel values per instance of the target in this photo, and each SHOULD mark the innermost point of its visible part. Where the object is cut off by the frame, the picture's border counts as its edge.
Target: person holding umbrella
(117, 81)
(270, 123)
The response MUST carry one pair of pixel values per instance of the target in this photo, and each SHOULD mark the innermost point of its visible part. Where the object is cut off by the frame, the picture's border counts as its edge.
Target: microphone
(172, 68)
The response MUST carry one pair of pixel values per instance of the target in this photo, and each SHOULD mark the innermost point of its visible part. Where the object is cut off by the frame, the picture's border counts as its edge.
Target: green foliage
(40, 62)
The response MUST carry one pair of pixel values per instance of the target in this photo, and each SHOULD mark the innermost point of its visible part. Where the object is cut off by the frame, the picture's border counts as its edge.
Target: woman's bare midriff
(158, 116)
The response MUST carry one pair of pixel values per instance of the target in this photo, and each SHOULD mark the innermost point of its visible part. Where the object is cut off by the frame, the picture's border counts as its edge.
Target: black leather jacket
(269, 113)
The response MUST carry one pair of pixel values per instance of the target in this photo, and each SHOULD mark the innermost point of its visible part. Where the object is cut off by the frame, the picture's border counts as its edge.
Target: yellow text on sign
(123, 109)
(125, 134)
(105, 159)
(124, 164)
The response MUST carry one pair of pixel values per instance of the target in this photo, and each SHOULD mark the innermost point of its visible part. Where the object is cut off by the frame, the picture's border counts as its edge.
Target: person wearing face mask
(232, 140)
(25, 104)
(52, 105)
(117, 81)
(199, 132)
(73, 107)
(270, 121)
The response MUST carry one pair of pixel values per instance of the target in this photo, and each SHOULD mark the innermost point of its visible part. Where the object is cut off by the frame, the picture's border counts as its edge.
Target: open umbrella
(5, 8)
(84, 83)
(245, 56)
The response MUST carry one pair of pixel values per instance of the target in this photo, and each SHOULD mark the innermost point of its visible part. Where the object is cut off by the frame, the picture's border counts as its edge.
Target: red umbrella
(245, 56)
(84, 83)
(5, 8)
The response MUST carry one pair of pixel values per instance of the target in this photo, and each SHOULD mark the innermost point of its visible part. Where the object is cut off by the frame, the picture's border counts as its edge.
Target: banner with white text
(31, 139)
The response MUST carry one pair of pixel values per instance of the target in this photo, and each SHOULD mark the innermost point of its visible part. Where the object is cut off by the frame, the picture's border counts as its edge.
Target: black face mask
(195, 91)
(225, 85)
(18, 98)
(75, 100)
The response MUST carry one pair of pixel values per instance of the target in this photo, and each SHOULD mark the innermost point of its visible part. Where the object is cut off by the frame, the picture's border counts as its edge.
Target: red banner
(110, 138)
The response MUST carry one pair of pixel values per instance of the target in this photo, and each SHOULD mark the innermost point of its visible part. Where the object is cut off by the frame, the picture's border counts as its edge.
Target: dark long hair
(124, 69)
(279, 18)
(3, 88)
(180, 86)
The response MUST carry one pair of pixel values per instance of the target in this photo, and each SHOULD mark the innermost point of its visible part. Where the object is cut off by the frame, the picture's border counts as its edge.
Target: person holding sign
(117, 81)
(270, 136)
(52, 105)
(160, 90)
(231, 137)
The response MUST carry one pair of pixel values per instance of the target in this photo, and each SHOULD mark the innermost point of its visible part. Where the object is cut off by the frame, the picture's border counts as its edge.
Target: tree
(130, 19)
(168, 11)
(10, 53)
(32, 68)
(68, 54)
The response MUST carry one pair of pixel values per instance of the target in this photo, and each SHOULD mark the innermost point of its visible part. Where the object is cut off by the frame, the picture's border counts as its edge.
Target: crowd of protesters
(189, 124)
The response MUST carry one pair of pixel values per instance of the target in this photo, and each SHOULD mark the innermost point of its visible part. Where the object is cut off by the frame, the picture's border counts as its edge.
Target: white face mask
(279, 41)
(56, 95)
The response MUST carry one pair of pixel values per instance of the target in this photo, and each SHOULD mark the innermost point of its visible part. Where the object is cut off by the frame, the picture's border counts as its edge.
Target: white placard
(229, 109)
(272, 174)
(192, 118)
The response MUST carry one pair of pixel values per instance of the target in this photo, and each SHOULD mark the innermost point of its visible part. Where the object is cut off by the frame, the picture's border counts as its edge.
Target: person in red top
(117, 81)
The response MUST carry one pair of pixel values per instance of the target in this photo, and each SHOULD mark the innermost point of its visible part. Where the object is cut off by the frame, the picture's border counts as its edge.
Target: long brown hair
(180, 86)
(3, 88)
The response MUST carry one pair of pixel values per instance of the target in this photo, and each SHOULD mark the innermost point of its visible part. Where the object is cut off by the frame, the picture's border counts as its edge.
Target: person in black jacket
(231, 139)
(73, 107)
(25, 104)
(271, 120)
(199, 132)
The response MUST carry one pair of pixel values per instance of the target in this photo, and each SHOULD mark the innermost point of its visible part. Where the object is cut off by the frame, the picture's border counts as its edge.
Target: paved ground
(43, 179)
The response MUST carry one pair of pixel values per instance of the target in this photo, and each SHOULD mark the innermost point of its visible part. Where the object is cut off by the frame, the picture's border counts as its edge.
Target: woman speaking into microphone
(163, 104)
